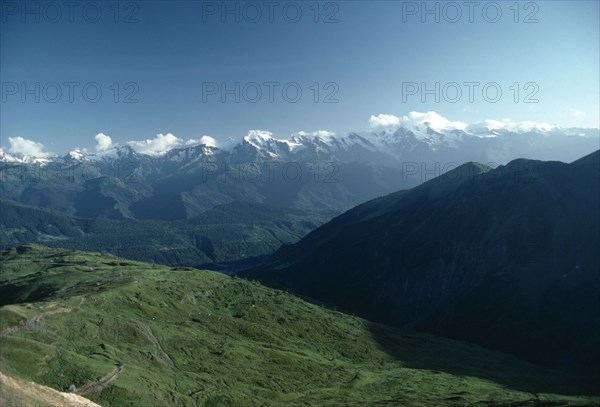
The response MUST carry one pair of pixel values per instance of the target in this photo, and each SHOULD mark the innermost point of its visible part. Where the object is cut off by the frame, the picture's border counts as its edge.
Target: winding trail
(33, 323)
(104, 381)
(162, 355)
(60, 310)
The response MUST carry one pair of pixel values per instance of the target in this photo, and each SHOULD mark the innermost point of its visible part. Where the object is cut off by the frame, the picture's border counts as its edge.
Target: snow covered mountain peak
(495, 126)
(23, 158)
(264, 141)
(390, 137)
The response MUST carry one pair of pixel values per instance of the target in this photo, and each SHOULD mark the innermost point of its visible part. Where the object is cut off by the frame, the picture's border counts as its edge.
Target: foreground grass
(183, 337)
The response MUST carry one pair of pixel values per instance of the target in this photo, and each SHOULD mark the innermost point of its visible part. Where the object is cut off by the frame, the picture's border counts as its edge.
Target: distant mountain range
(227, 238)
(307, 171)
(505, 257)
(300, 182)
(390, 146)
(183, 183)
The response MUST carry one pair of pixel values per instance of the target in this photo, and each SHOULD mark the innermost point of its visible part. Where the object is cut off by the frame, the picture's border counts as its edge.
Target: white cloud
(228, 144)
(263, 135)
(205, 140)
(439, 123)
(27, 148)
(209, 141)
(383, 120)
(324, 133)
(319, 133)
(434, 120)
(160, 144)
(103, 142)
(163, 143)
(510, 125)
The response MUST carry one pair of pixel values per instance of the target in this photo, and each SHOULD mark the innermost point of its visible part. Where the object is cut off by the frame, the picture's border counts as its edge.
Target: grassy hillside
(124, 333)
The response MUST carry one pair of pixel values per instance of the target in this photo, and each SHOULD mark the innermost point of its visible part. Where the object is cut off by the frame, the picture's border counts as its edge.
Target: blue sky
(167, 56)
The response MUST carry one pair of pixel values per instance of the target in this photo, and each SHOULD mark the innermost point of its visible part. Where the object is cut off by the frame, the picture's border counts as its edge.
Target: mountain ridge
(421, 258)
(394, 143)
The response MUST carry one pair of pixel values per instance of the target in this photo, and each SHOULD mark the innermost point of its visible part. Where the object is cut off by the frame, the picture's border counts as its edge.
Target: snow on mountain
(489, 126)
(390, 140)
(77, 154)
(25, 151)
(5, 157)
(275, 148)
(23, 159)
(189, 153)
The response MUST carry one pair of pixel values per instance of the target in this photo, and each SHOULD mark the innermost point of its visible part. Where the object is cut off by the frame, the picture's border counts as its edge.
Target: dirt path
(102, 383)
(60, 310)
(161, 354)
(9, 330)
(33, 324)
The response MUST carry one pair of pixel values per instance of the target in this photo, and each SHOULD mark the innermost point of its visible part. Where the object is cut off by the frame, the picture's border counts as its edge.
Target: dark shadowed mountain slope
(504, 257)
